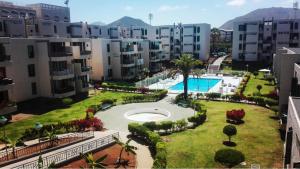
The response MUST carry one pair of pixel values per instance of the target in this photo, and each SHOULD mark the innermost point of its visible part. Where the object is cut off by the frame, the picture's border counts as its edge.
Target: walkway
(219, 61)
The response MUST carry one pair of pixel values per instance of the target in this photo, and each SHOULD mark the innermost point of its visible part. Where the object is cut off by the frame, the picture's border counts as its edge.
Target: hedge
(156, 96)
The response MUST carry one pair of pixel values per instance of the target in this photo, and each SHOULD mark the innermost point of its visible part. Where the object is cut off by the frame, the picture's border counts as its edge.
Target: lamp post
(3, 120)
(247, 67)
(38, 126)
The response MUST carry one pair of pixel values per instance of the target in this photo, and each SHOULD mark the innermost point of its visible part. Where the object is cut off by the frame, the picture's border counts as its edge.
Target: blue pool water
(197, 84)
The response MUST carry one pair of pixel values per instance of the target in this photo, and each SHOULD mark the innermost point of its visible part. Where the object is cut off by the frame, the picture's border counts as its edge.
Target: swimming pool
(197, 84)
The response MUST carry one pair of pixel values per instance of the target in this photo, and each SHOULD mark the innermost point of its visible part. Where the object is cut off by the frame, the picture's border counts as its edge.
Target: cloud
(236, 2)
(166, 8)
(128, 8)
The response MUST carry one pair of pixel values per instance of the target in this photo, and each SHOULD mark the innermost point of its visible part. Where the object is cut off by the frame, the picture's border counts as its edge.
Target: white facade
(258, 40)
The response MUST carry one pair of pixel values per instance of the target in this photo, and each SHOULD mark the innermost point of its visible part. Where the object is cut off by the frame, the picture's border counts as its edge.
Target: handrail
(26, 152)
(70, 153)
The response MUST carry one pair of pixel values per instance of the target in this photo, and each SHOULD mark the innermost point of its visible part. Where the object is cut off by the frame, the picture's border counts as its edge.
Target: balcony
(62, 54)
(127, 49)
(155, 69)
(6, 84)
(82, 86)
(64, 92)
(64, 74)
(5, 60)
(86, 69)
(128, 63)
(140, 62)
(8, 108)
(155, 59)
(129, 76)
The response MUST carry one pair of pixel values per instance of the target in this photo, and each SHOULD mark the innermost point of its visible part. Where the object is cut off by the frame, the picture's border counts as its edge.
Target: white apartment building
(52, 68)
(125, 59)
(258, 40)
(284, 65)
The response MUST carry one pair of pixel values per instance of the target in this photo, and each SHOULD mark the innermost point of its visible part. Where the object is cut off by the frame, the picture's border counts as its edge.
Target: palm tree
(92, 163)
(125, 146)
(13, 141)
(51, 135)
(184, 65)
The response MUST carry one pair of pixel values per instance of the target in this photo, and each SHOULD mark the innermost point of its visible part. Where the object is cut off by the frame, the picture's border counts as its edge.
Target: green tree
(215, 38)
(52, 136)
(230, 131)
(13, 141)
(92, 163)
(255, 74)
(259, 87)
(184, 65)
(125, 147)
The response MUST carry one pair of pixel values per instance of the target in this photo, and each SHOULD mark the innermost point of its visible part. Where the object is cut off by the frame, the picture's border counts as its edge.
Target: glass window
(31, 70)
(33, 88)
(30, 51)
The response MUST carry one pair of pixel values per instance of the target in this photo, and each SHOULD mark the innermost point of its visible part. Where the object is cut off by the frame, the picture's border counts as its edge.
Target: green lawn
(253, 82)
(75, 111)
(258, 138)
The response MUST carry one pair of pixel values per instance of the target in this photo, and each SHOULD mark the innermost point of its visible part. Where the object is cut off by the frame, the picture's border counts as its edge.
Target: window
(1, 27)
(156, 31)
(240, 46)
(195, 29)
(198, 30)
(108, 48)
(30, 51)
(55, 29)
(198, 38)
(241, 37)
(242, 27)
(33, 88)
(146, 31)
(110, 73)
(68, 29)
(198, 47)
(296, 25)
(37, 28)
(99, 31)
(109, 62)
(31, 70)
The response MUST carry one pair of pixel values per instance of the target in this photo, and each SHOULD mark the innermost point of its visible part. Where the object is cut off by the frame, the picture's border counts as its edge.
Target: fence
(70, 153)
(151, 80)
(34, 149)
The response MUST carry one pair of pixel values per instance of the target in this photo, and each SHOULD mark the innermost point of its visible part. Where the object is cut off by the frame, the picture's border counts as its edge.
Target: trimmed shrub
(67, 101)
(108, 101)
(235, 115)
(166, 125)
(213, 95)
(271, 102)
(160, 160)
(150, 125)
(180, 125)
(197, 119)
(235, 97)
(229, 157)
(230, 131)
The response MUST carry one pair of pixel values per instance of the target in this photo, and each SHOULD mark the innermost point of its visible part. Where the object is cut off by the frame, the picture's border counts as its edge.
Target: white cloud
(165, 8)
(128, 8)
(236, 2)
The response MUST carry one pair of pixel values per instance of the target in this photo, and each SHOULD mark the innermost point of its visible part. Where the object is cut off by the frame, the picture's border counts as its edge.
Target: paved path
(219, 61)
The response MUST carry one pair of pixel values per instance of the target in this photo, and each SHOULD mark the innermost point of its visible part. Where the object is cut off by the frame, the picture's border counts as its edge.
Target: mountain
(98, 23)
(264, 13)
(127, 22)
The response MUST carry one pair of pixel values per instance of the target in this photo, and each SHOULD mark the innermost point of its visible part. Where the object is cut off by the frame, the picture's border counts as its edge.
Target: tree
(259, 87)
(13, 141)
(184, 65)
(230, 131)
(125, 147)
(255, 74)
(51, 135)
(92, 163)
(215, 37)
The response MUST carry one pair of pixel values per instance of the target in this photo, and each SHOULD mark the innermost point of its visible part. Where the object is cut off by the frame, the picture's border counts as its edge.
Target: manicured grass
(75, 111)
(258, 138)
(120, 83)
(253, 82)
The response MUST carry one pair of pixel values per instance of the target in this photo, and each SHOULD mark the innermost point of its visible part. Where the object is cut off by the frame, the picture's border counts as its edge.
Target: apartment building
(284, 65)
(7, 106)
(185, 38)
(52, 67)
(292, 142)
(258, 40)
(125, 59)
(226, 35)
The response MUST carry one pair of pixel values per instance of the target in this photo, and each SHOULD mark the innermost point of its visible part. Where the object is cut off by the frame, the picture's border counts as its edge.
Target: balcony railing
(6, 81)
(128, 61)
(127, 49)
(140, 48)
(62, 73)
(64, 90)
(86, 69)
(4, 58)
(85, 52)
(62, 52)
(154, 47)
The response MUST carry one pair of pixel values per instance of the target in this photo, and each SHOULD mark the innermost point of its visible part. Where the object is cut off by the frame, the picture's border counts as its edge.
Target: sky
(214, 12)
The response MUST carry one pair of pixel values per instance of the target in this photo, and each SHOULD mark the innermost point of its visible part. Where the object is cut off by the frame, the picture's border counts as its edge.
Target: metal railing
(70, 153)
(36, 148)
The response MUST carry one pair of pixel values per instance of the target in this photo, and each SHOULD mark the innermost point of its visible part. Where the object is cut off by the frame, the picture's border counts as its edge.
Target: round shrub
(67, 101)
(230, 131)
(236, 115)
(229, 157)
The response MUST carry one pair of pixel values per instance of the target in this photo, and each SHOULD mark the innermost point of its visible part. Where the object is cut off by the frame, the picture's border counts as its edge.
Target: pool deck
(227, 85)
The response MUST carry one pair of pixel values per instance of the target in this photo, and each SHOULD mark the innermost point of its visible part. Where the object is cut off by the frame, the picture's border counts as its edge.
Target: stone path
(219, 61)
